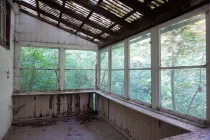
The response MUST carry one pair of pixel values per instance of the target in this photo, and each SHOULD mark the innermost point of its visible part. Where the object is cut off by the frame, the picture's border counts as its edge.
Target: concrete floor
(71, 128)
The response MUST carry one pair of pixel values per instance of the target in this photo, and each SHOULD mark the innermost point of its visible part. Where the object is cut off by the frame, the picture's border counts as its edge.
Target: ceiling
(105, 22)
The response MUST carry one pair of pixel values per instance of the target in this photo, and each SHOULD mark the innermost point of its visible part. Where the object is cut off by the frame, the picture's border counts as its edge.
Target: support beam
(155, 64)
(73, 26)
(77, 16)
(60, 17)
(107, 14)
(55, 25)
(37, 7)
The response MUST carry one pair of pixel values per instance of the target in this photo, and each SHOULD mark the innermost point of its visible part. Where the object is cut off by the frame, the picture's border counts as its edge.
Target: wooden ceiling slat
(140, 7)
(73, 14)
(62, 21)
(90, 5)
(55, 25)
(87, 18)
(147, 2)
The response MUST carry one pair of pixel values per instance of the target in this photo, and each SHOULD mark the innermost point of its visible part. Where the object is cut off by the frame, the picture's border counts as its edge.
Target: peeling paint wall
(6, 84)
(42, 106)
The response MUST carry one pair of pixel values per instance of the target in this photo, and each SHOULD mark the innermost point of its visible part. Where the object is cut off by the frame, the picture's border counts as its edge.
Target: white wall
(6, 84)
(31, 31)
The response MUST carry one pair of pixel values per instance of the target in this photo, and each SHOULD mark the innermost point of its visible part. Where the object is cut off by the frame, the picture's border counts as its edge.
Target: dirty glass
(140, 68)
(117, 82)
(38, 69)
(80, 69)
(183, 89)
(104, 69)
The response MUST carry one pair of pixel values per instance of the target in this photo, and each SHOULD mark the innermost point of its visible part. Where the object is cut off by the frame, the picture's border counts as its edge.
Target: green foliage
(140, 80)
(33, 75)
(184, 44)
(80, 69)
(117, 85)
(104, 69)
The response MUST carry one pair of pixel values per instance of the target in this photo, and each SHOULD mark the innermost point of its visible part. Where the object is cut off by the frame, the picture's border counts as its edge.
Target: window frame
(197, 12)
(43, 69)
(66, 69)
(111, 69)
(155, 65)
(101, 69)
(139, 69)
(5, 17)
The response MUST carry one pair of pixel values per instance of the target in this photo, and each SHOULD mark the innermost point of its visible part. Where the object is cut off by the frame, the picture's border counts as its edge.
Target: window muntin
(183, 74)
(4, 24)
(117, 82)
(104, 69)
(80, 69)
(38, 69)
(140, 69)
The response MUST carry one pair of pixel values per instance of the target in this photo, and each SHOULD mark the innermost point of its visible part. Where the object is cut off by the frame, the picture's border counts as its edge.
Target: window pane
(38, 58)
(140, 85)
(80, 79)
(140, 53)
(118, 82)
(104, 59)
(38, 80)
(188, 87)
(104, 80)
(184, 43)
(77, 59)
(118, 57)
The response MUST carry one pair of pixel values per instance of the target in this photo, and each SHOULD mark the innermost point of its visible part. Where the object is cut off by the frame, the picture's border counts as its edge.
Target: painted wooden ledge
(204, 134)
(37, 93)
(181, 123)
(155, 114)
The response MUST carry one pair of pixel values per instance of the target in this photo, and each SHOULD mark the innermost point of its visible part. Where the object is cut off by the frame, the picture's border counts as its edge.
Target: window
(117, 85)
(183, 72)
(39, 69)
(4, 24)
(104, 69)
(140, 68)
(80, 69)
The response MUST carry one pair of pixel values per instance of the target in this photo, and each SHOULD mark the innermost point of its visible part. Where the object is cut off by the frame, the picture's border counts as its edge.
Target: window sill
(173, 120)
(203, 134)
(39, 93)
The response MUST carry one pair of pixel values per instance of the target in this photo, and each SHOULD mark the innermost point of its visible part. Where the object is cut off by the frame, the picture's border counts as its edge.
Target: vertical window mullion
(110, 68)
(98, 69)
(126, 69)
(208, 66)
(62, 68)
(155, 64)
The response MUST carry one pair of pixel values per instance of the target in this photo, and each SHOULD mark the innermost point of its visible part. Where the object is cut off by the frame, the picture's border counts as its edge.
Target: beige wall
(6, 84)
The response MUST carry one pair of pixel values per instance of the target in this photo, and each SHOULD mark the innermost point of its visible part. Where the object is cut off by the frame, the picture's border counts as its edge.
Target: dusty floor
(71, 128)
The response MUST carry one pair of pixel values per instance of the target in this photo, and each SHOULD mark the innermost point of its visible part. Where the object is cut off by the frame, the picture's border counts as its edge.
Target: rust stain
(77, 103)
(34, 113)
(58, 105)
(51, 102)
(69, 104)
